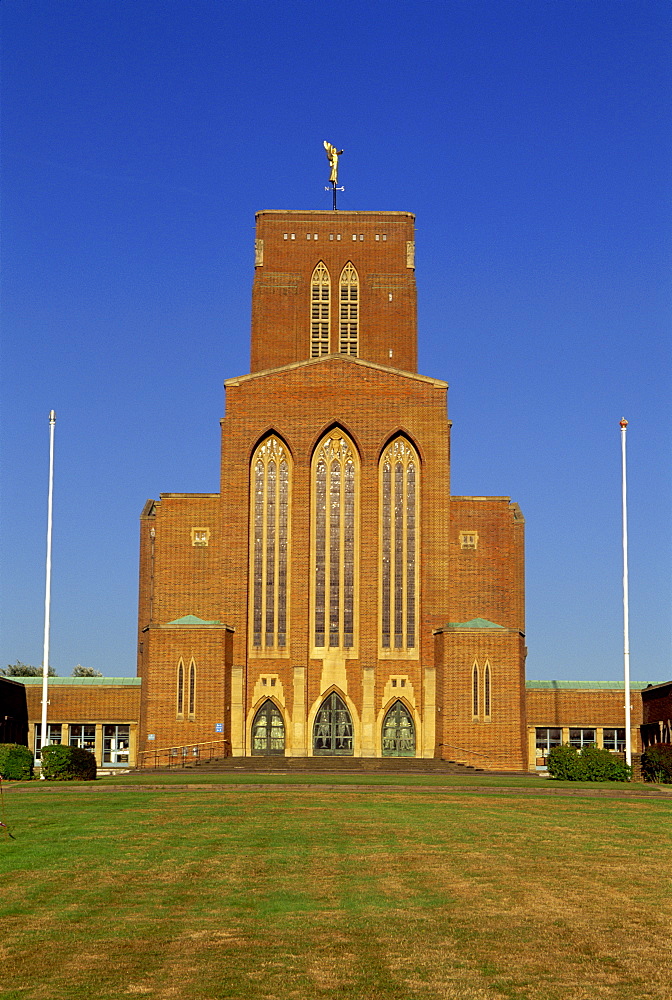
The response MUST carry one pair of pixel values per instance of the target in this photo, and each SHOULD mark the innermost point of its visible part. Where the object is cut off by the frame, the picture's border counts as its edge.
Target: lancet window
(180, 690)
(475, 705)
(335, 486)
(271, 483)
(486, 691)
(192, 689)
(349, 311)
(399, 482)
(320, 309)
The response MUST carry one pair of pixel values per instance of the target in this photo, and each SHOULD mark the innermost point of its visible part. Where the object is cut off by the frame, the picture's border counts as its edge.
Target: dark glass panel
(398, 732)
(320, 550)
(268, 731)
(398, 555)
(334, 551)
(349, 556)
(332, 730)
(192, 689)
(271, 471)
(410, 556)
(258, 552)
(386, 553)
(282, 553)
(180, 689)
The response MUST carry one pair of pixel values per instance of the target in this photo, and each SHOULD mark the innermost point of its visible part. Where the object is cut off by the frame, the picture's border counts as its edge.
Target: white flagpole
(626, 622)
(47, 592)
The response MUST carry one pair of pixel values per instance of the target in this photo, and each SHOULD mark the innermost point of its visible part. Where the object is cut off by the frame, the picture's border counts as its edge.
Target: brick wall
(281, 292)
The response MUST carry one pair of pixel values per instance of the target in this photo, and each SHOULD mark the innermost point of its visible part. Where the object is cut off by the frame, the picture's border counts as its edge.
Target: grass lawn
(326, 893)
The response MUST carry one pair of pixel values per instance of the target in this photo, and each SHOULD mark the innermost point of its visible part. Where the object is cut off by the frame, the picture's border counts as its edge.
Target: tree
(81, 671)
(19, 669)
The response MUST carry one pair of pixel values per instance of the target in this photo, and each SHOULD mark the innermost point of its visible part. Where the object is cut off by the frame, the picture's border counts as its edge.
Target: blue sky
(531, 140)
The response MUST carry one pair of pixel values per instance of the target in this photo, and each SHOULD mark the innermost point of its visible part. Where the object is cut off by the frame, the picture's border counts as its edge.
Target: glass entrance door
(398, 732)
(268, 731)
(332, 731)
(116, 744)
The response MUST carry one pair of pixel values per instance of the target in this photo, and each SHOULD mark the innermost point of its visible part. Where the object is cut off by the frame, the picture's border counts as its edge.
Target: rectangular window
(613, 739)
(546, 739)
(54, 736)
(83, 737)
(468, 539)
(581, 737)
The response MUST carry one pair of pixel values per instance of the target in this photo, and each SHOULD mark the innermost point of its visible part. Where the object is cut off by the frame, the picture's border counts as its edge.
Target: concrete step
(327, 765)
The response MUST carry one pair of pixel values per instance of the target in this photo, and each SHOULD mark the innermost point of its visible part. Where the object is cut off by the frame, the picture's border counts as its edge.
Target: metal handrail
(183, 755)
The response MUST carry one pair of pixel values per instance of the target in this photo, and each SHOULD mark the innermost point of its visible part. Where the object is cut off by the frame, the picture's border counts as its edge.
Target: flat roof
(583, 685)
(79, 681)
(329, 213)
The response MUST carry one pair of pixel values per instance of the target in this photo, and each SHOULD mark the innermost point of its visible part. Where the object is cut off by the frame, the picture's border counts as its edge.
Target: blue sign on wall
(219, 727)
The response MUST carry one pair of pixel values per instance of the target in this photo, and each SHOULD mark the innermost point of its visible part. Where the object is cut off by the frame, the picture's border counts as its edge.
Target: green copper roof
(193, 620)
(85, 681)
(583, 685)
(475, 623)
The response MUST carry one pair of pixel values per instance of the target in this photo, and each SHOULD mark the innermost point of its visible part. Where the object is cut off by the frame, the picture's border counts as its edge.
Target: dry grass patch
(272, 896)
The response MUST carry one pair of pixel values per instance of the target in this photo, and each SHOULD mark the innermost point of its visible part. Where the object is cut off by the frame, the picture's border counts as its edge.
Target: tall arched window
(335, 489)
(268, 730)
(486, 691)
(180, 690)
(320, 309)
(349, 311)
(192, 689)
(270, 487)
(399, 482)
(398, 739)
(333, 729)
(474, 691)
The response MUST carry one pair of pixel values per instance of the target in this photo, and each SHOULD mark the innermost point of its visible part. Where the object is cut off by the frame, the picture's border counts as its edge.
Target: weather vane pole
(333, 155)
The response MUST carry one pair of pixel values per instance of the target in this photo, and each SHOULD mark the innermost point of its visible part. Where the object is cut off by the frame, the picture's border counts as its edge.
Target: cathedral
(334, 598)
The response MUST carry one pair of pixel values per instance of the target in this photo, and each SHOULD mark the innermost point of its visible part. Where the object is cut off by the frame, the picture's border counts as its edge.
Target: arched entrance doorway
(268, 730)
(398, 732)
(332, 731)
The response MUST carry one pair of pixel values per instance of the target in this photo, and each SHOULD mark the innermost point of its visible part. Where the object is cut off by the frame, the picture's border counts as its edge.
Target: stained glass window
(398, 546)
(320, 305)
(349, 311)
(270, 487)
(335, 491)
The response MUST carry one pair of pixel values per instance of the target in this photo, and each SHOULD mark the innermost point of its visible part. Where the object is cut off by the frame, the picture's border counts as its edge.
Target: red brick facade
(197, 569)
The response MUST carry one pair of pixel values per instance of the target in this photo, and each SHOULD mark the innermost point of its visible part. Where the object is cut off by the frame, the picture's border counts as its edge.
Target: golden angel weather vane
(333, 155)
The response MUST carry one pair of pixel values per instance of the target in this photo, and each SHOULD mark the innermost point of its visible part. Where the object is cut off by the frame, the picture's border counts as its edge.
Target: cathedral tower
(332, 599)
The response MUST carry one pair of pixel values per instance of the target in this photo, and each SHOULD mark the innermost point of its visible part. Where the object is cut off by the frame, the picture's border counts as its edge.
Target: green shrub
(657, 763)
(61, 763)
(566, 763)
(601, 765)
(16, 762)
